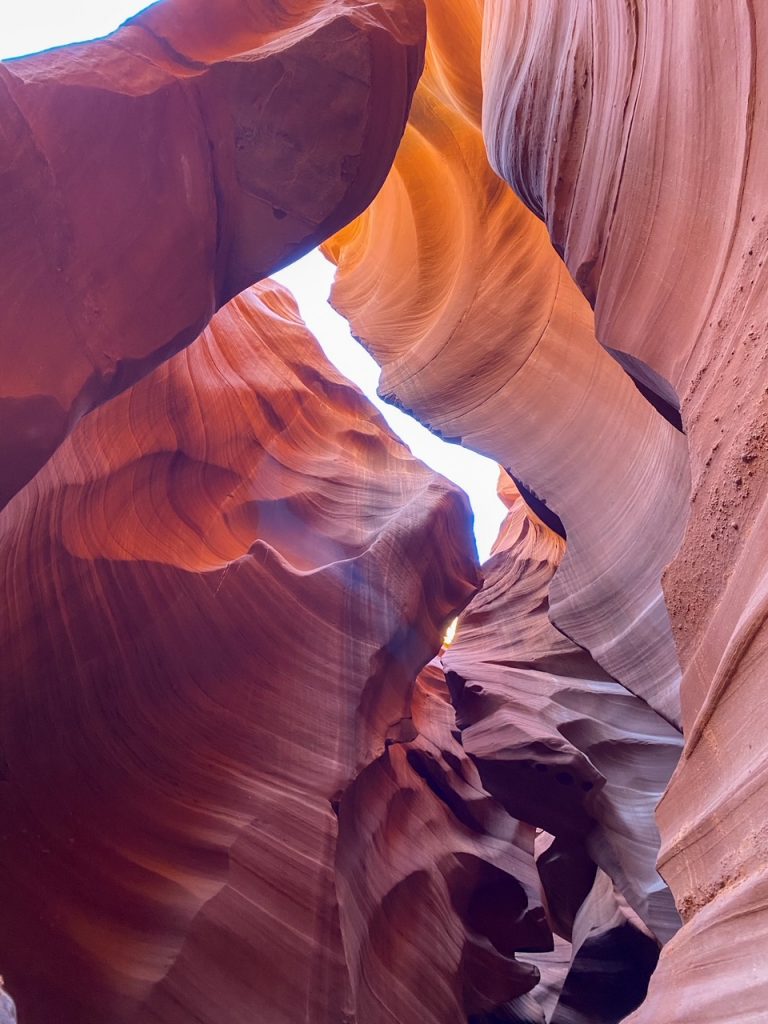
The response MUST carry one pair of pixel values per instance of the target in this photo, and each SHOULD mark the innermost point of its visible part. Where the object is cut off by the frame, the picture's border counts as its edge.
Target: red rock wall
(643, 146)
(158, 172)
(438, 888)
(227, 790)
(214, 606)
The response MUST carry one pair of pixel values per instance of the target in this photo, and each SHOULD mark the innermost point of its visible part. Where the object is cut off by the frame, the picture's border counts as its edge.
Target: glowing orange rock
(455, 288)
(215, 605)
(221, 796)
(151, 176)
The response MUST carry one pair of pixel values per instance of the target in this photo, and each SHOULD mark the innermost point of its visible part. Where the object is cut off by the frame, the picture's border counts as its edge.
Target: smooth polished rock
(216, 598)
(646, 153)
(453, 285)
(438, 889)
(565, 748)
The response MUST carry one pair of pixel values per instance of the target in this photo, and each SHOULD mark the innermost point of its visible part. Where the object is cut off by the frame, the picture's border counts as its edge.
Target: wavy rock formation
(424, 851)
(214, 607)
(557, 741)
(601, 973)
(567, 749)
(644, 149)
(454, 287)
(158, 172)
(230, 791)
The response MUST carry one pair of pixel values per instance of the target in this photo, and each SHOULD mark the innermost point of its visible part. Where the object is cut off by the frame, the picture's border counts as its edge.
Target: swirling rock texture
(533, 705)
(488, 339)
(229, 789)
(158, 172)
(214, 607)
(567, 749)
(425, 851)
(644, 149)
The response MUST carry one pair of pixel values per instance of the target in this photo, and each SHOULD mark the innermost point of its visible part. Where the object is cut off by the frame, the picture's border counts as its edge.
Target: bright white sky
(27, 26)
(32, 25)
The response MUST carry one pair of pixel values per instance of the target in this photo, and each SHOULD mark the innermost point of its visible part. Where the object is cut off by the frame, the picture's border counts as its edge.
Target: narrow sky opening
(36, 25)
(310, 281)
(41, 24)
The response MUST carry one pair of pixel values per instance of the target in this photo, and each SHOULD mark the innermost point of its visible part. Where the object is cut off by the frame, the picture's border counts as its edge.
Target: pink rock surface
(557, 741)
(645, 152)
(229, 790)
(423, 853)
(567, 749)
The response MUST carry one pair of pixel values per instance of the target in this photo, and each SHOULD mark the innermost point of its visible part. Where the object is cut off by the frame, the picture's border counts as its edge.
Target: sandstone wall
(637, 132)
(236, 783)
(153, 175)
(214, 607)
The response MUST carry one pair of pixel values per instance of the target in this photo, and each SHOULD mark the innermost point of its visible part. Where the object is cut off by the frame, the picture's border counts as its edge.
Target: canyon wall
(488, 340)
(240, 777)
(626, 133)
(223, 794)
(643, 147)
(565, 747)
(155, 174)
(214, 607)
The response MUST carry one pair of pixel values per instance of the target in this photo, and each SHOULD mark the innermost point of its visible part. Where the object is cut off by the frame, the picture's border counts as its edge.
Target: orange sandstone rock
(453, 285)
(222, 796)
(645, 151)
(215, 603)
(151, 176)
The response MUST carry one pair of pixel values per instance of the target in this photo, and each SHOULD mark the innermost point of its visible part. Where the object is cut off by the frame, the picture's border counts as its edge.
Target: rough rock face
(489, 340)
(158, 172)
(645, 152)
(214, 607)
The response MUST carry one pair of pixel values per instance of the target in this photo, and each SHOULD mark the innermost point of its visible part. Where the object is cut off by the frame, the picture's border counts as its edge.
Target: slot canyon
(248, 772)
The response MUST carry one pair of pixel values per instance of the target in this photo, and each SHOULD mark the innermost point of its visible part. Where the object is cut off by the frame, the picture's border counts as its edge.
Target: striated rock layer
(567, 749)
(158, 172)
(214, 606)
(643, 147)
(229, 789)
(438, 888)
(562, 745)
(487, 338)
